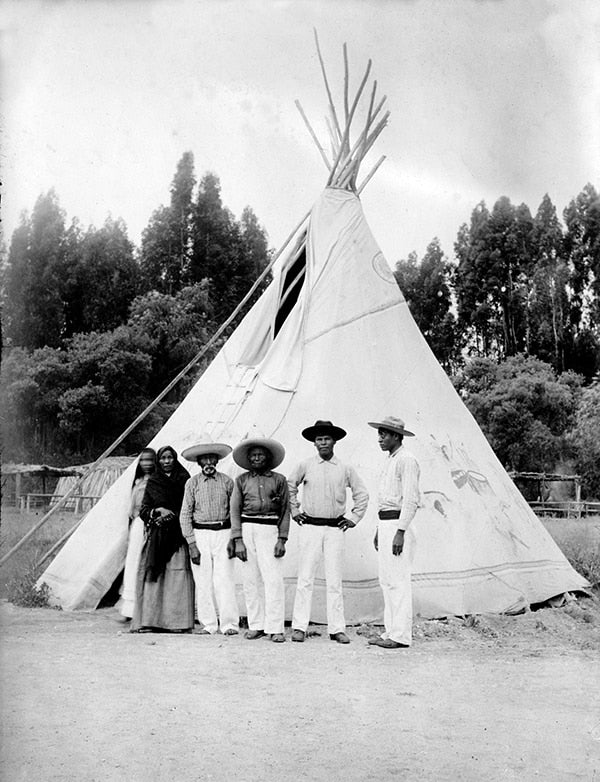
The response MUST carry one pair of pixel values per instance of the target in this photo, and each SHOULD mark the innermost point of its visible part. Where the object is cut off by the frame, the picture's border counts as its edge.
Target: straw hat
(276, 449)
(323, 427)
(202, 449)
(393, 424)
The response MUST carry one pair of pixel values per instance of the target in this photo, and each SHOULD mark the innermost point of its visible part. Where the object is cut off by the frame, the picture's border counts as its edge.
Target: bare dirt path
(508, 698)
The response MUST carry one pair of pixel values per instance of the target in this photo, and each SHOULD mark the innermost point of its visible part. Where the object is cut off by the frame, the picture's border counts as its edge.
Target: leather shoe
(252, 635)
(341, 638)
(387, 643)
(231, 631)
(298, 635)
(277, 638)
(374, 641)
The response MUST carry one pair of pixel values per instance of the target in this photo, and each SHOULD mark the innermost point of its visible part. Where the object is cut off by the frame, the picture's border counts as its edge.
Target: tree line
(517, 284)
(95, 328)
(514, 318)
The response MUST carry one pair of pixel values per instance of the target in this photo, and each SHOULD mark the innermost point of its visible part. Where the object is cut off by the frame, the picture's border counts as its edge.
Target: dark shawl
(163, 538)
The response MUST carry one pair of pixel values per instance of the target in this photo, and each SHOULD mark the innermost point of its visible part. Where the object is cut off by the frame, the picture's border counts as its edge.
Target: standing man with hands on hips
(323, 520)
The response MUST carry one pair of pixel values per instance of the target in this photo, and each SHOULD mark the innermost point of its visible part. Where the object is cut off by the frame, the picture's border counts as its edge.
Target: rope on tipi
(343, 173)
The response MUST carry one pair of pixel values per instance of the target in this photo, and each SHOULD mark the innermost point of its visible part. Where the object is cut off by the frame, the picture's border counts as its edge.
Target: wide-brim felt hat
(202, 449)
(323, 427)
(276, 449)
(393, 424)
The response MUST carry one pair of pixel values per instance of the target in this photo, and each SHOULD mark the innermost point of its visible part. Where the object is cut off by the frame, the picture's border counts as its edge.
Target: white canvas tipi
(332, 338)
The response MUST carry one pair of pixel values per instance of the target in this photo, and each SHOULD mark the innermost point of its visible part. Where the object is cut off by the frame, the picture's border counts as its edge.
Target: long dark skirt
(168, 602)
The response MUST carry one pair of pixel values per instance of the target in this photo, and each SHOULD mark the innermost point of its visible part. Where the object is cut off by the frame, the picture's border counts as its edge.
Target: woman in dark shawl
(165, 587)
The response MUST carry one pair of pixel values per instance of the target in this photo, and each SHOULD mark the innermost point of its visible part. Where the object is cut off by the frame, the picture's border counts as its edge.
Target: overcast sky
(100, 100)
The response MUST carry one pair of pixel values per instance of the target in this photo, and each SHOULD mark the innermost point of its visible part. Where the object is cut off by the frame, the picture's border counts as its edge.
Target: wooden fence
(569, 509)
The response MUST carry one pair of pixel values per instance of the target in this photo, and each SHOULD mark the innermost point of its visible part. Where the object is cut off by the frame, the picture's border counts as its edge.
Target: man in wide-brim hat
(398, 502)
(323, 518)
(206, 525)
(260, 520)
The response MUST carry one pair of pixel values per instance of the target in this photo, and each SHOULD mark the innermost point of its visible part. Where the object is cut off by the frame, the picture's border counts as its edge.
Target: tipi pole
(331, 104)
(345, 143)
(158, 399)
(370, 175)
(332, 137)
(59, 543)
(313, 134)
(346, 80)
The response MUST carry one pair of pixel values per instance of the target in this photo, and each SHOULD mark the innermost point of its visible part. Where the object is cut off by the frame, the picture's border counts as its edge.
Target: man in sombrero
(398, 502)
(260, 521)
(323, 519)
(206, 525)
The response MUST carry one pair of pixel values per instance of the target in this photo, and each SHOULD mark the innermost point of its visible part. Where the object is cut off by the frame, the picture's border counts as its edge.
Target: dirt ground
(486, 698)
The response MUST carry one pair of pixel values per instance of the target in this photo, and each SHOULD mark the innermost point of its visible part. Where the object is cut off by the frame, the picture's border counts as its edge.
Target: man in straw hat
(260, 521)
(323, 520)
(398, 503)
(206, 525)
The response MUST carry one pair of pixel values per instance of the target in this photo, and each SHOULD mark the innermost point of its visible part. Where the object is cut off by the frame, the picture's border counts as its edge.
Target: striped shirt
(260, 495)
(205, 501)
(324, 483)
(399, 486)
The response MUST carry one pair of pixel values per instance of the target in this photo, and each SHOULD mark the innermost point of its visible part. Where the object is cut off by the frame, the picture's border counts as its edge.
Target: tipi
(332, 338)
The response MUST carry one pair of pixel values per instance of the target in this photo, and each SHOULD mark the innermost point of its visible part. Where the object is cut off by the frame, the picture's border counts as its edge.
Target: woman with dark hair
(144, 469)
(165, 587)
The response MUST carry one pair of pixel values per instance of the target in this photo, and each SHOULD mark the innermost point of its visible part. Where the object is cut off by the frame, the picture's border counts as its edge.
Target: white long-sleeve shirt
(324, 484)
(399, 486)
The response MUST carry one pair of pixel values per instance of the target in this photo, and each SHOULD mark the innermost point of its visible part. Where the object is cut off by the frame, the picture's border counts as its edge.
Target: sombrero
(323, 427)
(393, 424)
(240, 452)
(193, 452)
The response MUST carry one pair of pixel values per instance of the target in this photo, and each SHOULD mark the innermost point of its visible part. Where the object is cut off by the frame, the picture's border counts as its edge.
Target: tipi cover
(346, 348)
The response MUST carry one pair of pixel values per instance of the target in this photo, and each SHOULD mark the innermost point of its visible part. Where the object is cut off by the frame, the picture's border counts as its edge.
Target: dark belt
(218, 525)
(389, 514)
(274, 521)
(319, 522)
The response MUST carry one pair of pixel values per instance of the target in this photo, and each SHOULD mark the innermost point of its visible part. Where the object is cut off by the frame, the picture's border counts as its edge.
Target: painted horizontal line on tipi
(492, 570)
(461, 575)
(341, 323)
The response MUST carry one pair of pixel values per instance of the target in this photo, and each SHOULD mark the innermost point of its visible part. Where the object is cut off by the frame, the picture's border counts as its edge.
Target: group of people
(186, 532)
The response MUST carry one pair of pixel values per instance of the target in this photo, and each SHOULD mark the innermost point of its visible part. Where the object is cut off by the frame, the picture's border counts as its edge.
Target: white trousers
(214, 578)
(132, 562)
(263, 579)
(316, 542)
(394, 578)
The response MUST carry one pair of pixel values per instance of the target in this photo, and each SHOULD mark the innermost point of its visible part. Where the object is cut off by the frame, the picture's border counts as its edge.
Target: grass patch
(23, 590)
(579, 540)
(585, 560)
(19, 574)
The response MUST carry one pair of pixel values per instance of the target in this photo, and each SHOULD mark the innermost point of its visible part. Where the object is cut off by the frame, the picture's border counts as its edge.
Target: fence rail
(568, 509)
(36, 500)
